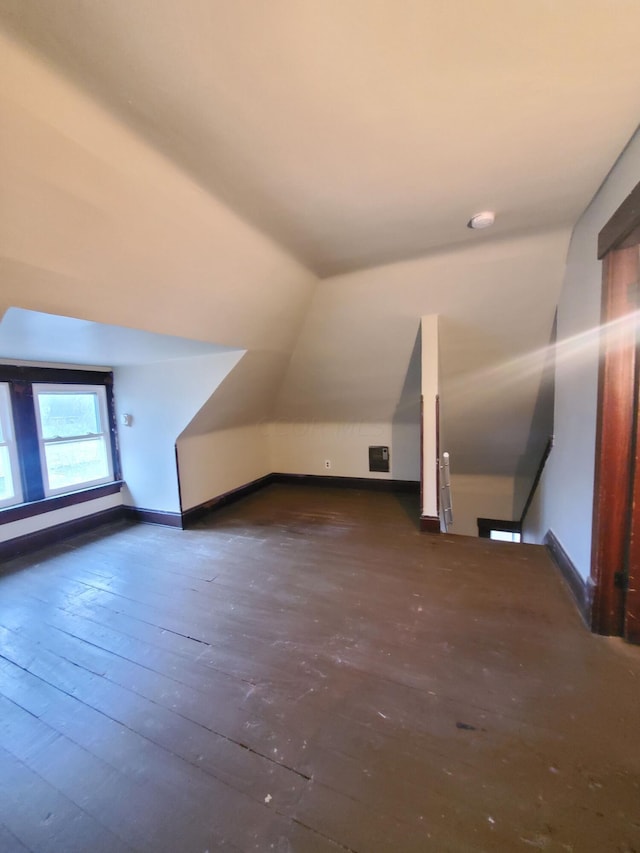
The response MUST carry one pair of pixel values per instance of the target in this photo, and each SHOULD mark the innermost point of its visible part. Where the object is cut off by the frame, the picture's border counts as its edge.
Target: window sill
(28, 510)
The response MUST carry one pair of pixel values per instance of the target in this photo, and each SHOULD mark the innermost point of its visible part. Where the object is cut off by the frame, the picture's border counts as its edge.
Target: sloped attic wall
(161, 398)
(226, 443)
(349, 371)
(95, 224)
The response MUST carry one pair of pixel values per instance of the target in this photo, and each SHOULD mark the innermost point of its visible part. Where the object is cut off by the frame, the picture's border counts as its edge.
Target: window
(10, 487)
(58, 442)
(499, 528)
(73, 436)
(504, 535)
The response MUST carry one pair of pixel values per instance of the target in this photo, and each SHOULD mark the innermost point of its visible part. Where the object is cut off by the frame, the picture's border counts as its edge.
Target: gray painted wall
(565, 500)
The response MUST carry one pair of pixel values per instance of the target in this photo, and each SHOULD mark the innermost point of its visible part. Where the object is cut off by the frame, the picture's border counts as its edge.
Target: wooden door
(614, 469)
(631, 579)
(615, 563)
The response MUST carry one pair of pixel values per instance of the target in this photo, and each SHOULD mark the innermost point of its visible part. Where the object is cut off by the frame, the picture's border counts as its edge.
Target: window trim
(38, 388)
(20, 379)
(8, 440)
(17, 512)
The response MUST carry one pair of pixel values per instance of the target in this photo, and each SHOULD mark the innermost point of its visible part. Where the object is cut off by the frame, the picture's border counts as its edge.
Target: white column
(430, 368)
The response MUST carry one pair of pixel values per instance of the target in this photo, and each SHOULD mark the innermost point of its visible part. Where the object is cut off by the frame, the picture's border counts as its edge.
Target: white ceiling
(34, 336)
(357, 132)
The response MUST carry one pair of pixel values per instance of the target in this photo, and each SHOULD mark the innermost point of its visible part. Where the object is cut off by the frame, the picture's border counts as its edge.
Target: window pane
(70, 463)
(505, 536)
(63, 415)
(7, 490)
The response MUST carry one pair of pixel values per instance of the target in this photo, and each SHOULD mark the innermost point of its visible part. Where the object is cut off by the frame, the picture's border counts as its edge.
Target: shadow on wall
(540, 431)
(405, 425)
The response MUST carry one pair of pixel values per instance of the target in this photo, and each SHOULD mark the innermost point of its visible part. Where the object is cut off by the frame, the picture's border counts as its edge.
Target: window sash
(99, 469)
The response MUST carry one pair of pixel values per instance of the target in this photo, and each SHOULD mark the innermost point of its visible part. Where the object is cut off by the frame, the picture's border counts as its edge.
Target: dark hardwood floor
(305, 671)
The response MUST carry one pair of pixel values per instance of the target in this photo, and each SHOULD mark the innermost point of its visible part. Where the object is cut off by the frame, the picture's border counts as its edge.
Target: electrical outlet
(327, 463)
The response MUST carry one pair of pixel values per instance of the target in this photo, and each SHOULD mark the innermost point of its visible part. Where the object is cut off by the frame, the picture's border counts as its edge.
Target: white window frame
(9, 441)
(62, 389)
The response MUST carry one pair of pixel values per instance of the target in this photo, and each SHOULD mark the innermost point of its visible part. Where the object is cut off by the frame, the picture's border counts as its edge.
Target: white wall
(220, 461)
(536, 525)
(566, 499)
(161, 398)
(303, 448)
(479, 496)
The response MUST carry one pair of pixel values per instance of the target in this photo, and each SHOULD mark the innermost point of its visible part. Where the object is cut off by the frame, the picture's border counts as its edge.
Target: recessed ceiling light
(482, 220)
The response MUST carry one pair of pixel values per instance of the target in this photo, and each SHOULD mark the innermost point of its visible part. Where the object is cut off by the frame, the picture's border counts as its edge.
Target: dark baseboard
(41, 538)
(367, 483)
(153, 516)
(190, 516)
(580, 589)
(29, 510)
(57, 533)
(429, 524)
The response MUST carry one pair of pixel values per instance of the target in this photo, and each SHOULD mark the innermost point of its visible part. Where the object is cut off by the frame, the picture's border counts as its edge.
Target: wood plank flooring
(305, 671)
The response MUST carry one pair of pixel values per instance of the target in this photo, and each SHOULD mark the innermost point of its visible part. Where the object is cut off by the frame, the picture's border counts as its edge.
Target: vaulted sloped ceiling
(361, 132)
(496, 303)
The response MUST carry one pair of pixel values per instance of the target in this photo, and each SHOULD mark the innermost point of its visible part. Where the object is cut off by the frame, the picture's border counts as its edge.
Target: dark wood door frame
(631, 625)
(616, 418)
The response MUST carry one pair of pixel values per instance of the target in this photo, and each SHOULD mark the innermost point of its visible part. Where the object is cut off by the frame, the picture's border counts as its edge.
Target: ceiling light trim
(484, 219)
